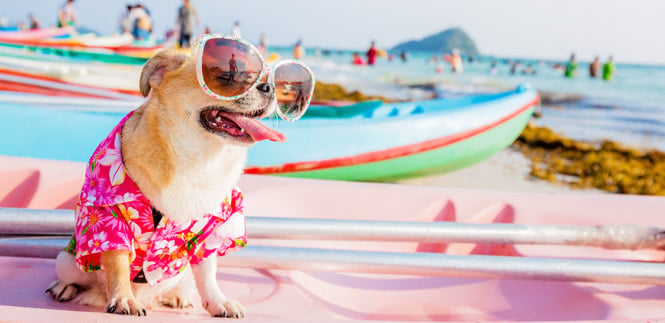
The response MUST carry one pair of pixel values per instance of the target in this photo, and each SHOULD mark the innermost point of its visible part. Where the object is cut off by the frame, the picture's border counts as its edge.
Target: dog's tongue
(258, 131)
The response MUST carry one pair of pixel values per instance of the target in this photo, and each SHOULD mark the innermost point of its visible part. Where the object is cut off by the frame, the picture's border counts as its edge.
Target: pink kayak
(291, 289)
(25, 35)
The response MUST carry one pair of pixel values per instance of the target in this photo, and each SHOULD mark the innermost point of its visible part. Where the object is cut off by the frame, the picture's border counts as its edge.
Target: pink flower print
(95, 220)
(236, 201)
(82, 217)
(88, 197)
(131, 216)
(231, 246)
(226, 244)
(214, 241)
(128, 213)
(113, 159)
(178, 264)
(94, 160)
(198, 225)
(98, 243)
(143, 240)
(113, 220)
(122, 198)
(165, 247)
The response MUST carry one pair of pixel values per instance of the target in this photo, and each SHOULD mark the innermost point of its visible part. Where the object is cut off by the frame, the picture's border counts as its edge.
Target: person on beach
(298, 50)
(529, 70)
(357, 60)
(608, 69)
(235, 31)
(187, 16)
(34, 23)
(404, 56)
(371, 54)
(456, 61)
(67, 14)
(571, 67)
(494, 70)
(123, 19)
(138, 22)
(263, 45)
(594, 67)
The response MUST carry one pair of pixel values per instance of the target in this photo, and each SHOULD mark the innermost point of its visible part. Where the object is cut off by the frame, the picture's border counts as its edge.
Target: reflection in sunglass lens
(293, 87)
(229, 67)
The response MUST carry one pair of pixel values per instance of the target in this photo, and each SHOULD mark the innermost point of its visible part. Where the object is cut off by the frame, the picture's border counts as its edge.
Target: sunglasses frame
(265, 69)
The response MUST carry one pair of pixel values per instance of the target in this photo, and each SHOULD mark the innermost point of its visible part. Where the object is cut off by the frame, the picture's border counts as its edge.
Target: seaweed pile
(606, 165)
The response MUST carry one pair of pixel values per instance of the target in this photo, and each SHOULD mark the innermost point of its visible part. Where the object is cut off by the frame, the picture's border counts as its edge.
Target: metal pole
(419, 264)
(61, 222)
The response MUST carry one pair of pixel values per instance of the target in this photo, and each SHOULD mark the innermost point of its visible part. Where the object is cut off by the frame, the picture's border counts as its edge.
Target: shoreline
(508, 170)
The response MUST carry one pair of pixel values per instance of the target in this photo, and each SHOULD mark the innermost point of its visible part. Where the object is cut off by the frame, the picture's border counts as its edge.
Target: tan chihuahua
(185, 151)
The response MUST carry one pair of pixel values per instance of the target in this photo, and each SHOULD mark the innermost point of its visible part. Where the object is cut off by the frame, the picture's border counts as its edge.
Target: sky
(631, 30)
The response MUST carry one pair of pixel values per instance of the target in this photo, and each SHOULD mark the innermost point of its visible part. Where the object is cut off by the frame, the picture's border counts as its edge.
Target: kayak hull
(334, 295)
(447, 154)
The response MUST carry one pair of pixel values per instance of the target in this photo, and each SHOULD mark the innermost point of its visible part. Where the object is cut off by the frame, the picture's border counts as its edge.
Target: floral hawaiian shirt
(113, 214)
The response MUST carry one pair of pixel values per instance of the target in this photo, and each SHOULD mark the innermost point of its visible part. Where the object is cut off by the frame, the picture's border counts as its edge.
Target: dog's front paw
(175, 301)
(125, 306)
(62, 292)
(225, 308)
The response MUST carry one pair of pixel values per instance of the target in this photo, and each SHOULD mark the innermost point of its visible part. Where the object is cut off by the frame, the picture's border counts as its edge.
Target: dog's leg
(205, 275)
(115, 264)
(71, 280)
(181, 295)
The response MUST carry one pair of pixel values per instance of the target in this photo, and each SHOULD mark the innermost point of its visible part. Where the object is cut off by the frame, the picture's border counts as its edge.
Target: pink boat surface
(332, 294)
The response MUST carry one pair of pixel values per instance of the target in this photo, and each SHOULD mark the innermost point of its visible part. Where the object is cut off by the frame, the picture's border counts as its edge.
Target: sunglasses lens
(293, 88)
(229, 67)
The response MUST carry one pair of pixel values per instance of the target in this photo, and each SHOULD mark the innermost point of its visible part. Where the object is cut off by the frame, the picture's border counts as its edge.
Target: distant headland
(443, 42)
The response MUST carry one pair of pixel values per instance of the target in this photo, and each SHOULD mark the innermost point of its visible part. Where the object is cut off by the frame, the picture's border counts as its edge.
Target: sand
(507, 170)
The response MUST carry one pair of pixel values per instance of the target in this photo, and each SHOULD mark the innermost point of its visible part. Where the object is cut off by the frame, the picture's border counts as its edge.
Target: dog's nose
(266, 88)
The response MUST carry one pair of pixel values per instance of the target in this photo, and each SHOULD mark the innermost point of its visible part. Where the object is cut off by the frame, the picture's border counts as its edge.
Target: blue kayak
(369, 141)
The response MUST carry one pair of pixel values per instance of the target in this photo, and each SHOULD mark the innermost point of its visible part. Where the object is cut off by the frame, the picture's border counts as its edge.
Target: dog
(184, 151)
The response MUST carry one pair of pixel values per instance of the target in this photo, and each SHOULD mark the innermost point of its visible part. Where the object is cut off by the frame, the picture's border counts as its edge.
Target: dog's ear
(154, 69)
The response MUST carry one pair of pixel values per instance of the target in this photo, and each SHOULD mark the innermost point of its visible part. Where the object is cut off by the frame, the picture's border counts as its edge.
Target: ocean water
(630, 109)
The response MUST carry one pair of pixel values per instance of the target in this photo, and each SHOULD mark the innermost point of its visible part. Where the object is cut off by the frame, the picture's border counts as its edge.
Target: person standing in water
(298, 50)
(456, 62)
(67, 14)
(371, 54)
(187, 16)
(594, 67)
(608, 69)
(404, 56)
(571, 67)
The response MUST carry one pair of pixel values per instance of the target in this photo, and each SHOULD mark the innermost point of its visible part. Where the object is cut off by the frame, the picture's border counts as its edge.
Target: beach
(508, 170)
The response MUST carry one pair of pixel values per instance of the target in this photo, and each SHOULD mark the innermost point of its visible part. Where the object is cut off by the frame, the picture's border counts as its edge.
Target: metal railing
(42, 233)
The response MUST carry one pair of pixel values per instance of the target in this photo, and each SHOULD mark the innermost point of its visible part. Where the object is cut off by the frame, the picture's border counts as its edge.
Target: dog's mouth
(241, 127)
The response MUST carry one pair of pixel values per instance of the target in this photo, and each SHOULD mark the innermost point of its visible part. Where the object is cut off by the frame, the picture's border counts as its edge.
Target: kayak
(110, 77)
(371, 142)
(44, 84)
(118, 55)
(24, 35)
(396, 140)
(83, 41)
(284, 275)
